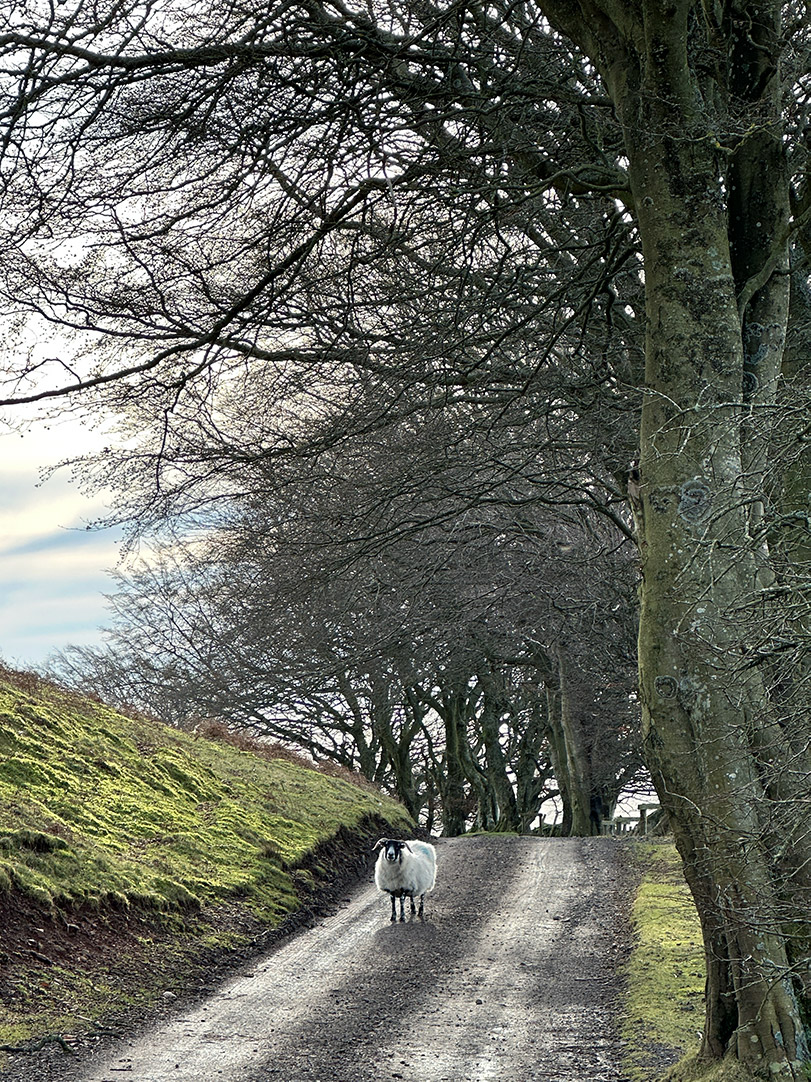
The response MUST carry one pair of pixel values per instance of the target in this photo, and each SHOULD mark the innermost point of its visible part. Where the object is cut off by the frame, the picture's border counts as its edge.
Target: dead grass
(273, 749)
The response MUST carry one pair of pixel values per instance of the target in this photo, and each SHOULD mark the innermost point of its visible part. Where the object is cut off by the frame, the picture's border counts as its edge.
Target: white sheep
(405, 870)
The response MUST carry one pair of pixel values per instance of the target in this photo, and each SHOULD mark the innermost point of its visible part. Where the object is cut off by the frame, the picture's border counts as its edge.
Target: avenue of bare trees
(476, 667)
(422, 325)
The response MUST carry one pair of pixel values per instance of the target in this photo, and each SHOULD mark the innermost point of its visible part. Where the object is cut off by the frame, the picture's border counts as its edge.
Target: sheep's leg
(402, 907)
(422, 899)
(393, 907)
(413, 907)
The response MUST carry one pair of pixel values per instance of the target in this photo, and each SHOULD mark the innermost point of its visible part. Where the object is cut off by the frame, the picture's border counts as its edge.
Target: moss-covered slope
(136, 860)
(96, 807)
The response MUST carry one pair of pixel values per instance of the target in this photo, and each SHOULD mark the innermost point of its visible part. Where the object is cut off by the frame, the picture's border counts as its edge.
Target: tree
(384, 197)
(426, 650)
(703, 132)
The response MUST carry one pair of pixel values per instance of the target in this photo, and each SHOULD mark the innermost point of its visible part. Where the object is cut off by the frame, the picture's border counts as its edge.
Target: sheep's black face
(393, 851)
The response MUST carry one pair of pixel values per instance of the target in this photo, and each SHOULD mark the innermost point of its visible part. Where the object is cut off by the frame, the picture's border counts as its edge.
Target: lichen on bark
(711, 214)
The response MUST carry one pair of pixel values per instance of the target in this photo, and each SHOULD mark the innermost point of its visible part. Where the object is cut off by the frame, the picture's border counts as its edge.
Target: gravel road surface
(512, 975)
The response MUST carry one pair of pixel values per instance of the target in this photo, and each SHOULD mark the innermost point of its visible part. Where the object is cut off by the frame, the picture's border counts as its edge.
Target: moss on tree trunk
(707, 360)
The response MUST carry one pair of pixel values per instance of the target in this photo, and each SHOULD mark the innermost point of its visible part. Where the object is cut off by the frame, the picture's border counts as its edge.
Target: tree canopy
(292, 246)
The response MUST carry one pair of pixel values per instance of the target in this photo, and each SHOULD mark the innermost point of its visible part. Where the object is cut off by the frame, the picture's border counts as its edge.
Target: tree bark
(531, 775)
(575, 755)
(557, 753)
(455, 802)
(500, 786)
(699, 476)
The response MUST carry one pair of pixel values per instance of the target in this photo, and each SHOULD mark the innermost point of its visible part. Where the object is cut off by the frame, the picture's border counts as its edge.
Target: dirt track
(511, 976)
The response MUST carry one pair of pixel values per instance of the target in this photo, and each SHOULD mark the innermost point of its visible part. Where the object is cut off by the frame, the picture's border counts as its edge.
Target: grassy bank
(127, 848)
(665, 974)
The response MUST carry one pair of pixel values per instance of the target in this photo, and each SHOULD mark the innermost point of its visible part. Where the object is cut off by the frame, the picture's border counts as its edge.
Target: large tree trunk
(699, 566)
(531, 774)
(585, 803)
(703, 709)
(499, 784)
(557, 754)
(575, 760)
(452, 704)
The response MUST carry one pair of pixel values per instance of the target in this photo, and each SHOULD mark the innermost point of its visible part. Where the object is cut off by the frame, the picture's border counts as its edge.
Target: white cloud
(53, 570)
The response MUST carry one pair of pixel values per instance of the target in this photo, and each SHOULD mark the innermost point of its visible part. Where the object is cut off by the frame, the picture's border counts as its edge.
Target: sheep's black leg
(422, 899)
(402, 907)
(413, 907)
(393, 909)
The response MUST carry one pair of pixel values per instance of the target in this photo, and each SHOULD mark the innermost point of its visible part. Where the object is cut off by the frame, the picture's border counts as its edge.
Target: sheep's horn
(408, 847)
(378, 843)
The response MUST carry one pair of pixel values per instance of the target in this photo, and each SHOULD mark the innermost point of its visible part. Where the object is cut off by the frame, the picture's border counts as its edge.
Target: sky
(53, 570)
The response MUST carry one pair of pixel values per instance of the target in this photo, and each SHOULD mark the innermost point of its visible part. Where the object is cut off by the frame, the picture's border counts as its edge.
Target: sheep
(405, 869)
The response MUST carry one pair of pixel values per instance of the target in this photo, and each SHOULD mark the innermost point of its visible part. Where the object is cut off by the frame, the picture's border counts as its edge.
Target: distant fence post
(629, 824)
(643, 816)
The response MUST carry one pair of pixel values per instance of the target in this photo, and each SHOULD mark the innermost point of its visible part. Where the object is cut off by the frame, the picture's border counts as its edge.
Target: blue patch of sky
(67, 539)
(53, 571)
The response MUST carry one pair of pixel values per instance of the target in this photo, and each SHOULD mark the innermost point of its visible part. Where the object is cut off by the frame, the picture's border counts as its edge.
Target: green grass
(665, 974)
(171, 847)
(96, 807)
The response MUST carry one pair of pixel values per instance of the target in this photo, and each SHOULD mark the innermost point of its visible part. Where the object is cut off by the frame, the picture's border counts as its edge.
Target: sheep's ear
(378, 844)
(408, 847)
